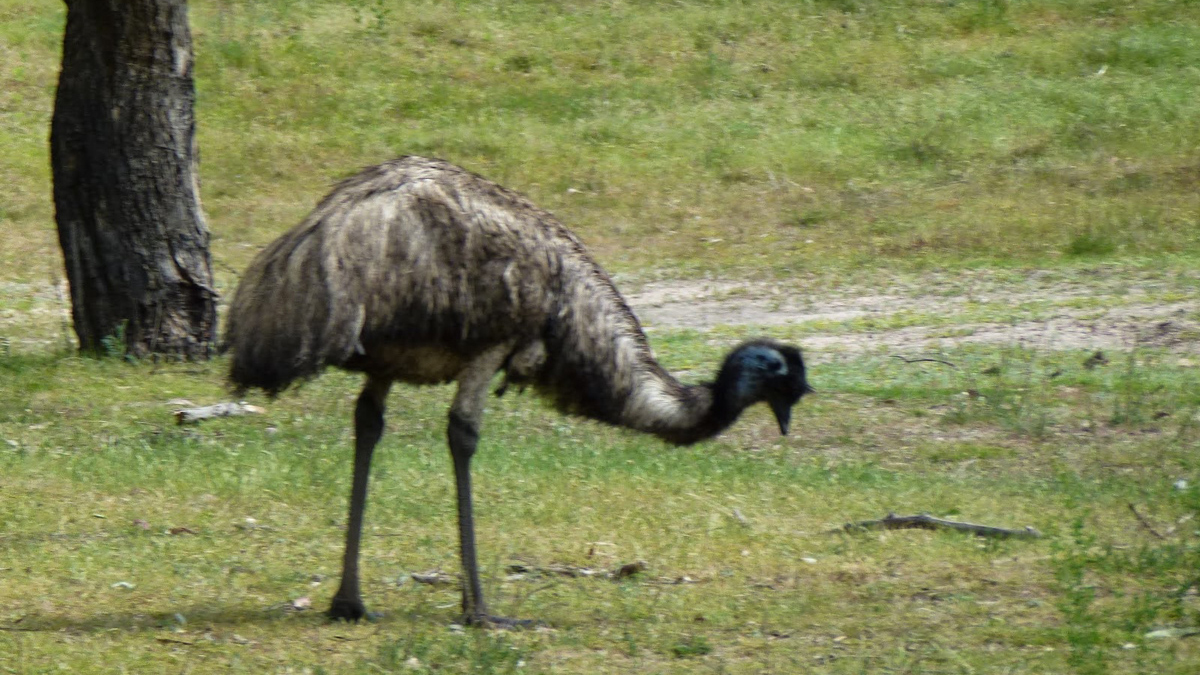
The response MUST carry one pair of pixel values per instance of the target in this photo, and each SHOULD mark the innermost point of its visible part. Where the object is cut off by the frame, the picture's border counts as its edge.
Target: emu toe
(353, 610)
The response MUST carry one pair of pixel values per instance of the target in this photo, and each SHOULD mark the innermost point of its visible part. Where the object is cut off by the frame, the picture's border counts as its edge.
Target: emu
(418, 271)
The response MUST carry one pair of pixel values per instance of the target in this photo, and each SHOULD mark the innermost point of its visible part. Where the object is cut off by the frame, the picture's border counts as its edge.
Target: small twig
(742, 520)
(1145, 523)
(626, 570)
(553, 570)
(433, 578)
(922, 360)
(925, 521)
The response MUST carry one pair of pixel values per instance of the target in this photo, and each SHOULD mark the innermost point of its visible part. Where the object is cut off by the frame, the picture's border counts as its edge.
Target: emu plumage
(421, 272)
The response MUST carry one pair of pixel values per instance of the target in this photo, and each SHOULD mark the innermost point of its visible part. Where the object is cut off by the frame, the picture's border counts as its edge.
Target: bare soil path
(1103, 309)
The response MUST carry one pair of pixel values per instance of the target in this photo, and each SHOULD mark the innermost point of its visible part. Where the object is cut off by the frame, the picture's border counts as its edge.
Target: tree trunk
(126, 183)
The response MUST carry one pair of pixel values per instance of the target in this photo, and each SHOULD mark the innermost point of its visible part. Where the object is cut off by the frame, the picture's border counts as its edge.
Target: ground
(1100, 309)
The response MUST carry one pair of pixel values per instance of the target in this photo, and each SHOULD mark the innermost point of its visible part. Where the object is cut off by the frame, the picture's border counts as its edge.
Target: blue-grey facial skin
(758, 365)
(765, 375)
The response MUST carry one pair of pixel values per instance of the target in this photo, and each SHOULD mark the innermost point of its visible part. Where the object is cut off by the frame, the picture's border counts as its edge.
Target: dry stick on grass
(626, 570)
(434, 578)
(928, 522)
(1145, 523)
(192, 415)
(439, 578)
(922, 360)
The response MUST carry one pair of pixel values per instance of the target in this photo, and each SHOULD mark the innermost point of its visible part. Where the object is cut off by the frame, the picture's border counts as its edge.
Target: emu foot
(349, 609)
(499, 622)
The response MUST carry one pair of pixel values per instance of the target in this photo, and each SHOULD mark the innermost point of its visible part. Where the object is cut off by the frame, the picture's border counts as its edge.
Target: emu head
(764, 370)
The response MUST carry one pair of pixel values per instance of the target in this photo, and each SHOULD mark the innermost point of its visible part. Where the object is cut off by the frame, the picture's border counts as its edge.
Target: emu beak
(783, 414)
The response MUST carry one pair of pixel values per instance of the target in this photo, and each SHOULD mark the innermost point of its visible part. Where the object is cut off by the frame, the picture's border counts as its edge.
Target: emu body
(420, 272)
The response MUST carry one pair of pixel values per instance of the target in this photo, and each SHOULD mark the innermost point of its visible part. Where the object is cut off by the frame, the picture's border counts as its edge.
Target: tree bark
(126, 184)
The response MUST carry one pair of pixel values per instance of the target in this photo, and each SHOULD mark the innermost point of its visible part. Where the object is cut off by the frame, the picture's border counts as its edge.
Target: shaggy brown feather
(412, 268)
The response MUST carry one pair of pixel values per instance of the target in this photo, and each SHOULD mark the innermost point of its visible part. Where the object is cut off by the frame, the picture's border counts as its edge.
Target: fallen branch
(923, 360)
(1145, 523)
(626, 570)
(1172, 633)
(553, 570)
(193, 415)
(925, 521)
(434, 578)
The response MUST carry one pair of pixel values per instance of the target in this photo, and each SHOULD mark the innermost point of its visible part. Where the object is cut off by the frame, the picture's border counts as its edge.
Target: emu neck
(714, 406)
(704, 413)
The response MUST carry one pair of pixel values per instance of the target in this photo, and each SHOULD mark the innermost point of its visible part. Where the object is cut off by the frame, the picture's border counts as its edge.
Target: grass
(967, 157)
(92, 573)
(807, 137)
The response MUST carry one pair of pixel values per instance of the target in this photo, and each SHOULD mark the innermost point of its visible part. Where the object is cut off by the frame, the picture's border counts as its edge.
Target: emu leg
(463, 436)
(368, 427)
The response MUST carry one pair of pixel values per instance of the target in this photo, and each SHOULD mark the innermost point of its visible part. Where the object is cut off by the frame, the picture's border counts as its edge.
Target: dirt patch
(1061, 311)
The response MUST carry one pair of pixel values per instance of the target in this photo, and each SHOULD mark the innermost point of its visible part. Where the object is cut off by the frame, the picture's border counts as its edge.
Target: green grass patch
(732, 138)
(131, 540)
